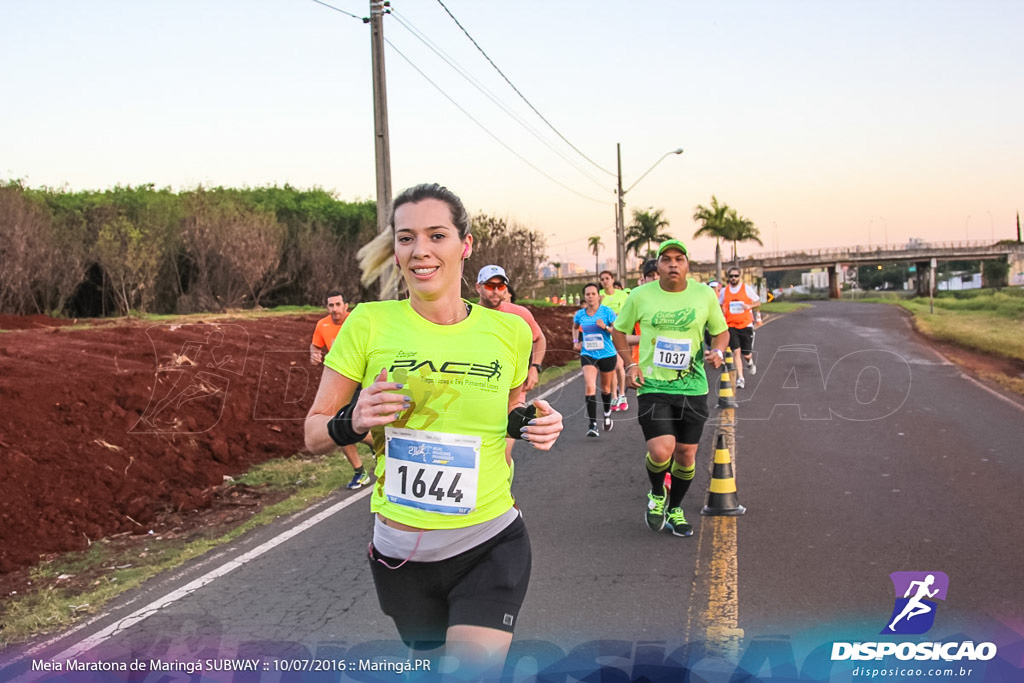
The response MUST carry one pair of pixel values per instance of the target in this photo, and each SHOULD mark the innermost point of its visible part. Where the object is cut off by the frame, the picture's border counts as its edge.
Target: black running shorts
(741, 338)
(603, 364)
(483, 586)
(671, 414)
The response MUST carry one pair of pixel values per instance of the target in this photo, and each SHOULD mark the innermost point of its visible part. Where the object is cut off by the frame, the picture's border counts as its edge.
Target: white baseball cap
(487, 272)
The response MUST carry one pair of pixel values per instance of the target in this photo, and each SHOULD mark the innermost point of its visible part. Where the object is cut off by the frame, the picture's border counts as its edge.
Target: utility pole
(620, 229)
(380, 128)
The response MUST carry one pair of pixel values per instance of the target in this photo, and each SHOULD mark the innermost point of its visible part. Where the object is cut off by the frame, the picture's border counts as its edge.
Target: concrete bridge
(924, 255)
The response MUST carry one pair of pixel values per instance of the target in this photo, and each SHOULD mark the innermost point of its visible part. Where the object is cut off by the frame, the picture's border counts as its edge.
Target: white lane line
(561, 384)
(145, 612)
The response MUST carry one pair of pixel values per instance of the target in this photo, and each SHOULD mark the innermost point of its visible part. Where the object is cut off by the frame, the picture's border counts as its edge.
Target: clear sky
(826, 123)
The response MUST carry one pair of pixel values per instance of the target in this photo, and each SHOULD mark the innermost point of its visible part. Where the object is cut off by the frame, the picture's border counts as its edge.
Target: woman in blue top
(591, 337)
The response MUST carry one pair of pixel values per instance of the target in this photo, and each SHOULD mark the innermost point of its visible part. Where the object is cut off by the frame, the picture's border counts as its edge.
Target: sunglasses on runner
(492, 286)
(734, 276)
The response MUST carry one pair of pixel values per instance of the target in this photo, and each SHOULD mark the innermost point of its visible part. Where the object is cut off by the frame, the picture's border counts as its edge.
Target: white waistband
(437, 544)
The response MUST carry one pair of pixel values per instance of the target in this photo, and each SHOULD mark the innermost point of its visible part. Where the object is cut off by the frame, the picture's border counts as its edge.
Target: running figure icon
(915, 606)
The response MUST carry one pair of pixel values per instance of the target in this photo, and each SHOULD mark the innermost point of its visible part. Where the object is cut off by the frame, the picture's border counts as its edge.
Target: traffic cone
(722, 491)
(730, 363)
(726, 397)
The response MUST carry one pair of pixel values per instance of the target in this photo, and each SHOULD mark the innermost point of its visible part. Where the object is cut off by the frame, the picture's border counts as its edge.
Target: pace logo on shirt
(488, 371)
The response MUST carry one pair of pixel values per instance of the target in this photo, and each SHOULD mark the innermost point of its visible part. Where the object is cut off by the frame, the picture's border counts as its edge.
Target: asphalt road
(857, 452)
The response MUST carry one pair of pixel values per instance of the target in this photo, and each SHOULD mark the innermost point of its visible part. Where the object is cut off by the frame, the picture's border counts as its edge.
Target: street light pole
(382, 145)
(620, 227)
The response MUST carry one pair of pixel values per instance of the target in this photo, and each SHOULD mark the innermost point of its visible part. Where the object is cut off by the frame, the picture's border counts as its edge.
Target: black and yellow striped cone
(726, 396)
(722, 491)
(730, 363)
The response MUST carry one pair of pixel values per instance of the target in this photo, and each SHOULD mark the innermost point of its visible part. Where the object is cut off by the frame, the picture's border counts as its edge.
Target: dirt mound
(111, 429)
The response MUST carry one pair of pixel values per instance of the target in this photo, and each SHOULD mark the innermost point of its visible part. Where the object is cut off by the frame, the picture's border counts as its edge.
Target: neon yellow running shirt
(458, 377)
(615, 300)
(671, 335)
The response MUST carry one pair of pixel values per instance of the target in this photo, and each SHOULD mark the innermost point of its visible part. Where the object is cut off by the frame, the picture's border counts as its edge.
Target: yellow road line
(714, 602)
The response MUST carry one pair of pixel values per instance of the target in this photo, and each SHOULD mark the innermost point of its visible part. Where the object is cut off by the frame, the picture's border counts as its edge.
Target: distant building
(817, 278)
(959, 281)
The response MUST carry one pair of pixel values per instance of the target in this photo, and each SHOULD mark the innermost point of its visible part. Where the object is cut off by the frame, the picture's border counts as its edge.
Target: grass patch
(783, 307)
(982, 319)
(997, 329)
(554, 373)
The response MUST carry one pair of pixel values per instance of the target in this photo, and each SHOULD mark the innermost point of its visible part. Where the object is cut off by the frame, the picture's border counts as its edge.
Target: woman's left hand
(542, 431)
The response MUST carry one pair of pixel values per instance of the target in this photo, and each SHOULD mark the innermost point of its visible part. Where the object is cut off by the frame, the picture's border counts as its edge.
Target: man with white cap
(492, 285)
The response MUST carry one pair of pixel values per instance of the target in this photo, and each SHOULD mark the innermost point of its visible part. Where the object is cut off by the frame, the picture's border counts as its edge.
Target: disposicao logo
(914, 613)
(916, 592)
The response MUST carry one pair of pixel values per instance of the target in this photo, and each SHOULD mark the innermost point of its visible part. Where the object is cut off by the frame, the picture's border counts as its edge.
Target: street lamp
(620, 228)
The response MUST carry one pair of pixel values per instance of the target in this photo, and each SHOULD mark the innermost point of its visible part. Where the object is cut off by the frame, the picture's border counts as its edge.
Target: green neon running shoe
(676, 521)
(655, 512)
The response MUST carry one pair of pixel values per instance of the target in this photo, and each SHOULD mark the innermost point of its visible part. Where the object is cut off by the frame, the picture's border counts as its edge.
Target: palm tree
(594, 242)
(741, 229)
(714, 223)
(646, 228)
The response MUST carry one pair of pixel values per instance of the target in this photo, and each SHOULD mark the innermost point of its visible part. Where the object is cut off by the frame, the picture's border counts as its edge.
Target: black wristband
(340, 429)
(518, 418)
(536, 365)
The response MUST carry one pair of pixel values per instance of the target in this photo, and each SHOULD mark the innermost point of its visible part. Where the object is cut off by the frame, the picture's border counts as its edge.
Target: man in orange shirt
(492, 286)
(738, 303)
(323, 337)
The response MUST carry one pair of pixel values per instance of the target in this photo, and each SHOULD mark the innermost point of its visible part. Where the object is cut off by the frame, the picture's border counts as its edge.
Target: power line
(523, 97)
(405, 23)
(365, 20)
(485, 129)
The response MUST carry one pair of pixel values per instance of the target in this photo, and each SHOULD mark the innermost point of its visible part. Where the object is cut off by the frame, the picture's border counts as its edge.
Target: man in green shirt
(614, 298)
(672, 387)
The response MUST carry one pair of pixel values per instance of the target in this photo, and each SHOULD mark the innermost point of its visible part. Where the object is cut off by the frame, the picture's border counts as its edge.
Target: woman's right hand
(378, 404)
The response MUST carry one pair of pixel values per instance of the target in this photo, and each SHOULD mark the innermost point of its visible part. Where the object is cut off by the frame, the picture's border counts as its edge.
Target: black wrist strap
(518, 418)
(340, 429)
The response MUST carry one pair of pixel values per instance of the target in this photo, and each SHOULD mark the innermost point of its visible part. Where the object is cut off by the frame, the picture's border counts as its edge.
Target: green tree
(130, 257)
(740, 229)
(645, 229)
(514, 247)
(234, 248)
(714, 223)
(594, 242)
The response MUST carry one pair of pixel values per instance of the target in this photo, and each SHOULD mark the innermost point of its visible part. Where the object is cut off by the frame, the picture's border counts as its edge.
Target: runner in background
(437, 381)
(591, 338)
(717, 287)
(648, 273)
(739, 302)
(672, 387)
(613, 299)
(326, 330)
(495, 292)
(493, 288)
